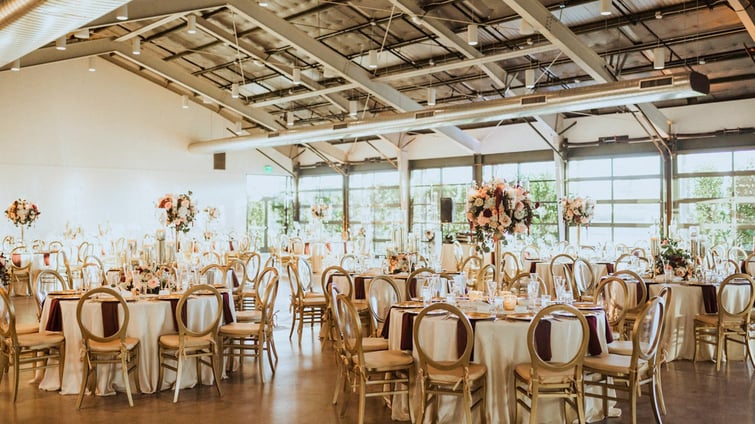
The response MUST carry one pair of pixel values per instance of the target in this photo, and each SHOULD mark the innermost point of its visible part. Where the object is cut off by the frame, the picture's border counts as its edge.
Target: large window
(374, 205)
(628, 195)
(269, 201)
(322, 190)
(428, 186)
(540, 179)
(716, 191)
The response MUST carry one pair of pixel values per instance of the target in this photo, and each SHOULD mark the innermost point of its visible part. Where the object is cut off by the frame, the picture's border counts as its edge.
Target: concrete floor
(301, 390)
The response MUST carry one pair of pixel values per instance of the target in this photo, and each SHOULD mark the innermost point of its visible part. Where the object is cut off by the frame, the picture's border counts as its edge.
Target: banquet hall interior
(330, 211)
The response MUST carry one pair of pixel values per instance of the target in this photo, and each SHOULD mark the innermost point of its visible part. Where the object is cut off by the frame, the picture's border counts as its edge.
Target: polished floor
(301, 390)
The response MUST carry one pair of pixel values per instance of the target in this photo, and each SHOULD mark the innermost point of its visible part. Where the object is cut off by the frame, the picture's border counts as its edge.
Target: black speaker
(446, 210)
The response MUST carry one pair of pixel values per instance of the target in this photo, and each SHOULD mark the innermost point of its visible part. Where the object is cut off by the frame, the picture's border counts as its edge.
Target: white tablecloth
(500, 345)
(149, 320)
(542, 268)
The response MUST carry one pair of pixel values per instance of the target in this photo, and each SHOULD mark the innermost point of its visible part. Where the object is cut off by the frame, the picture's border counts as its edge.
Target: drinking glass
(491, 286)
(559, 285)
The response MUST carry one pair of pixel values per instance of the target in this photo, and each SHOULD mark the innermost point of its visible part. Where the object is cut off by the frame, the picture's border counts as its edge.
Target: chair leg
(362, 400)
(84, 382)
(719, 351)
(533, 407)
(136, 370)
(15, 377)
(654, 400)
(580, 400)
(260, 358)
(467, 403)
(632, 399)
(697, 345)
(659, 389)
(61, 361)
(124, 373)
(339, 383)
(293, 323)
(3, 365)
(160, 371)
(215, 361)
(179, 371)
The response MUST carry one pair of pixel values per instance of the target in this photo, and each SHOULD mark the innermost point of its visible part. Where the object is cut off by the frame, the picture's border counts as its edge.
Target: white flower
(478, 202)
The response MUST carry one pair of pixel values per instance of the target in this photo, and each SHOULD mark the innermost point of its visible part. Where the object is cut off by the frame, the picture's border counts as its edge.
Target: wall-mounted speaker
(446, 210)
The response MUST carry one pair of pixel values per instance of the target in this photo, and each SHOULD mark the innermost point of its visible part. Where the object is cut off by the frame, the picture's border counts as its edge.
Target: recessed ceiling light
(122, 13)
(263, 4)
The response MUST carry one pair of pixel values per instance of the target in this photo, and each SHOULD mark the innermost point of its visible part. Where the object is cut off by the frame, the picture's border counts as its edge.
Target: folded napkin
(359, 292)
(234, 278)
(710, 302)
(407, 331)
(386, 324)
(412, 284)
(110, 323)
(593, 345)
(461, 337)
(173, 306)
(54, 317)
(543, 340)
(227, 313)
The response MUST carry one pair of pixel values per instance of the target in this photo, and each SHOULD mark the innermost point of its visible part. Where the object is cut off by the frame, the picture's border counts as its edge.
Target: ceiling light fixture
(529, 78)
(184, 102)
(16, 66)
(263, 4)
(658, 14)
(290, 119)
(191, 24)
(472, 35)
(372, 61)
(257, 62)
(82, 34)
(235, 90)
(136, 46)
(122, 13)
(431, 96)
(525, 28)
(605, 7)
(238, 126)
(353, 108)
(92, 64)
(60, 43)
(659, 58)
(296, 76)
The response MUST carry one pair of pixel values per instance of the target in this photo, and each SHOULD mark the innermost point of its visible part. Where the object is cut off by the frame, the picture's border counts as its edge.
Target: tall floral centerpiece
(497, 208)
(22, 214)
(180, 212)
(213, 214)
(320, 211)
(4, 272)
(673, 258)
(577, 211)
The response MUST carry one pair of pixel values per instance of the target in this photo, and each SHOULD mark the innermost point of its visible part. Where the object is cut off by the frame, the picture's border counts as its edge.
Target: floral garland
(145, 280)
(673, 257)
(179, 211)
(22, 213)
(577, 210)
(320, 210)
(4, 272)
(497, 208)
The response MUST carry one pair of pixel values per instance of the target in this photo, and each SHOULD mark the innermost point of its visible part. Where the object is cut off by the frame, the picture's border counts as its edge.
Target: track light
(92, 64)
(122, 13)
(372, 61)
(263, 4)
(290, 119)
(296, 76)
(529, 78)
(16, 66)
(136, 46)
(431, 94)
(60, 43)
(353, 108)
(238, 126)
(605, 7)
(659, 58)
(472, 35)
(525, 28)
(82, 34)
(235, 90)
(184, 102)
(191, 24)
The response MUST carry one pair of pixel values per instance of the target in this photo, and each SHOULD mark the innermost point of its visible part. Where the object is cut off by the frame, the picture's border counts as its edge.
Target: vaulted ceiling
(280, 64)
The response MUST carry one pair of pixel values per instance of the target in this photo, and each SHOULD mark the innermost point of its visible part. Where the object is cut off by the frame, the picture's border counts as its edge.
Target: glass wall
(539, 178)
(374, 206)
(269, 208)
(716, 191)
(322, 190)
(428, 186)
(627, 191)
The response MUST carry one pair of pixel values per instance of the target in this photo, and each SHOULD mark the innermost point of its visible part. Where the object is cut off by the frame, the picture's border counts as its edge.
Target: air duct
(644, 90)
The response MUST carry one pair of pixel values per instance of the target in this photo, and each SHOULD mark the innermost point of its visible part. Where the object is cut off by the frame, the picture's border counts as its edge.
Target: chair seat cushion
(248, 316)
(711, 320)
(240, 329)
(171, 341)
(39, 340)
(612, 363)
(524, 371)
(27, 328)
(387, 359)
(371, 344)
(621, 347)
(451, 377)
(113, 345)
(313, 294)
(315, 301)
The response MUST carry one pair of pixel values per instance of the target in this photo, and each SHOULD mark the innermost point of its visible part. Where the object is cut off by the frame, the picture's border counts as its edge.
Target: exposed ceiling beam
(560, 35)
(251, 50)
(331, 150)
(150, 27)
(78, 50)
(746, 12)
(447, 36)
(348, 69)
(139, 10)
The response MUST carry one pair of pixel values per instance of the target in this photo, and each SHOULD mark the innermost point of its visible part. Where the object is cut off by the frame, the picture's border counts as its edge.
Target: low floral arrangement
(4, 272)
(22, 213)
(146, 280)
(497, 208)
(179, 211)
(320, 210)
(577, 210)
(672, 257)
(71, 232)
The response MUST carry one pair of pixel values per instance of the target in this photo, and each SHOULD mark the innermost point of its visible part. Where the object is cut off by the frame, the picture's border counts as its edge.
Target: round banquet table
(500, 345)
(599, 271)
(149, 319)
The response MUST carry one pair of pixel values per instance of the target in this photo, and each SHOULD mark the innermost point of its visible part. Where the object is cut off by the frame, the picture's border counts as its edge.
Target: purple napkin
(173, 306)
(593, 345)
(709, 299)
(234, 278)
(227, 313)
(412, 284)
(109, 318)
(461, 337)
(407, 331)
(55, 317)
(386, 325)
(543, 340)
(359, 288)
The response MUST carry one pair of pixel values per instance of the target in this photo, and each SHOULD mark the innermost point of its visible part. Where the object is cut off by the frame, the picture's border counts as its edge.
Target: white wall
(97, 147)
